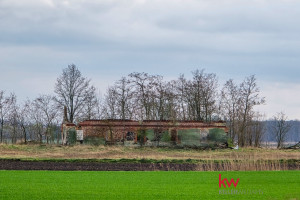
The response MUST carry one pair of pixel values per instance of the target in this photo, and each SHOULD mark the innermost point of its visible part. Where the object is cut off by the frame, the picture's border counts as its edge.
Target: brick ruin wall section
(117, 130)
(117, 133)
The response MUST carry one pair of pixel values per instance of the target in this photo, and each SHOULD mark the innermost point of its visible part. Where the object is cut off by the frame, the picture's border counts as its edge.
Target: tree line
(138, 96)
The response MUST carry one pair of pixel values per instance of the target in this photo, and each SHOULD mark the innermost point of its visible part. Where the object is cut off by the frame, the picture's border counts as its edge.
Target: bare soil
(93, 166)
(15, 164)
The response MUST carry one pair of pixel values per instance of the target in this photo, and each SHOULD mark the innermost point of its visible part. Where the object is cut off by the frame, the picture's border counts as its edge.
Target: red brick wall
(116, 130)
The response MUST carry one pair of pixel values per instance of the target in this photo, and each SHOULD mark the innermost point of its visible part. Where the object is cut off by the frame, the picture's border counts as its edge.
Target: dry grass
(254, 165)
(246, 159)
(118, 152)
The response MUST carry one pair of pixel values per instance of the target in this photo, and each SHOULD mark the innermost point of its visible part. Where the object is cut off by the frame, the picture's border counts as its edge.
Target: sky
(109, 39)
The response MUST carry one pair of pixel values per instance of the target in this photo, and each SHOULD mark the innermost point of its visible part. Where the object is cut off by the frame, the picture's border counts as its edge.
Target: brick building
(114, 131)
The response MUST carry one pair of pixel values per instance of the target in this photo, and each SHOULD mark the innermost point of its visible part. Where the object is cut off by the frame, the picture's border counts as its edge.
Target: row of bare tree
(146, 97)
(139, 96)
(33, 120)
(142, 96)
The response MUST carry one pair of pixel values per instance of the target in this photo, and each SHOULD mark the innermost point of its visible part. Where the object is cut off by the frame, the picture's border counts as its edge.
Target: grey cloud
(231, 37)
(228, 26)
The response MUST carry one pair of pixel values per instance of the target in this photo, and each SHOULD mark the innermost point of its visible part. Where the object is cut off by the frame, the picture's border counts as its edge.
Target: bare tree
(37, 121)
(45, 104)
(280, 127)
(23, 118)
(13, 119)
(160, 100)
(196, 87)
(123, 90)
(90, 109)
(255, 129)
(249, 98)
(200, 96)
(5, 104)
(209, 96)
(230, 101)
(171, 104)
(111, 103)
(100, 107)
(181, 96)
(237, 107)
(73, 91)
(258, 128)
(143, 84)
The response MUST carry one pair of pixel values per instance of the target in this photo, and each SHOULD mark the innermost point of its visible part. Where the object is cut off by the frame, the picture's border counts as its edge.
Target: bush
(94, 141)
(190, 137)
(166, 137)
(72, 136)
(230, 142)
(141, 136)
(217, 135)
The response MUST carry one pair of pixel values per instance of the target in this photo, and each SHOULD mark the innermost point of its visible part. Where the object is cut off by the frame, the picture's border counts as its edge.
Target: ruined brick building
(115, 131)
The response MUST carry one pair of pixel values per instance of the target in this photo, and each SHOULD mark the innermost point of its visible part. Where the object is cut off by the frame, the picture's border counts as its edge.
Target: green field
(146, 185)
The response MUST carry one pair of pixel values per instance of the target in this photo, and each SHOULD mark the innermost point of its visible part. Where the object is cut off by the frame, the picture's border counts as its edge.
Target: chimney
(65, 114)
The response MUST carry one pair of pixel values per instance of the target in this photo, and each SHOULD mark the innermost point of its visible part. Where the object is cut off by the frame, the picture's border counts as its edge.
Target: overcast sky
(108, 39)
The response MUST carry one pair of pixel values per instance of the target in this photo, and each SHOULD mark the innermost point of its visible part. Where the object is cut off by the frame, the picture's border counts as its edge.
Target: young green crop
(146, 185)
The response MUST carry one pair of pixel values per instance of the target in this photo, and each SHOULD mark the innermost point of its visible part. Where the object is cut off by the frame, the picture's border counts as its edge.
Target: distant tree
(230, 102)
(181, 94)
(45, 104)
(5, 105)
(90, 110)
(24, 119)
(210, 94)
(36, 116)
(237, 105)
(200, 96)
(257, 129)
(249, 97)
(170, 104)
(143, 91)
(73, 91)
(111, 103)
(280, 127)
(100, 107)
(13, 119)
(123, 92)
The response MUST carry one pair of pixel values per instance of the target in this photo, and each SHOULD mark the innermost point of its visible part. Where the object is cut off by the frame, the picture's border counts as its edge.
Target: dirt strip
(93, 166)
(99, 166)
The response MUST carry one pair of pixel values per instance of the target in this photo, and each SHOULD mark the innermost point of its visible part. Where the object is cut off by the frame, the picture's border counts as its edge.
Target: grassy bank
(246, 159)
(147, 185)
(121, 152)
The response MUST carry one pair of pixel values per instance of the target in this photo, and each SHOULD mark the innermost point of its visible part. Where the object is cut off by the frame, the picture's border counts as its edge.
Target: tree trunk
(24, 134)
(1, 130)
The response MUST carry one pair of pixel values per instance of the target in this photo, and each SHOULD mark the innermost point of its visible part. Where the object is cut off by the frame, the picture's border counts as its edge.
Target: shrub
(217, 135)
(166, 137)
(230, 142)
(94, 140)
(190, 137)
(71, 136)
(141, 136)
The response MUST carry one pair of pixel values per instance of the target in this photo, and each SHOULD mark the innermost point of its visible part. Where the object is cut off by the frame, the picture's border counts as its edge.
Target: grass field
(146, 185)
